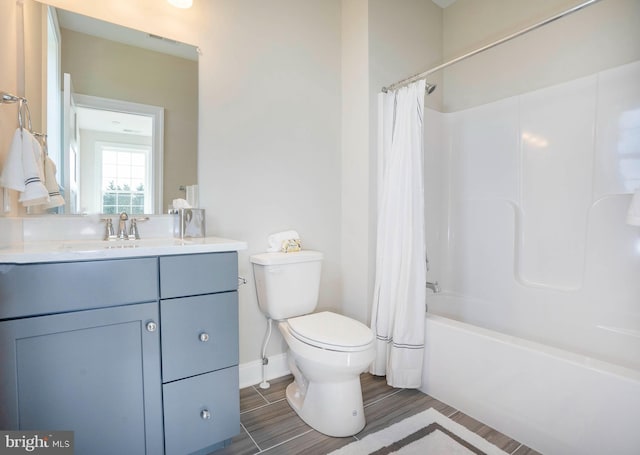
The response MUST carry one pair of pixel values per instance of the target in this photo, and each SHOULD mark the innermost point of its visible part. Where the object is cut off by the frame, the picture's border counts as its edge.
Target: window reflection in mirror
(110, 72)
(117, 165)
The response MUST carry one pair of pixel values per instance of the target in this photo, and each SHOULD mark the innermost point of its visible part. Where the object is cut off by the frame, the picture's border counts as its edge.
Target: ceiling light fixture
(181, 3)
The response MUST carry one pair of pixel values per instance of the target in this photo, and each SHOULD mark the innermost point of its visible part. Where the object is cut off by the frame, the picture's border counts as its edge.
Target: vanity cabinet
(136, 355)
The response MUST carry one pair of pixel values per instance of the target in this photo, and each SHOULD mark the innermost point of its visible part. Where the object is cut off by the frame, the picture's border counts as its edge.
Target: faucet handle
(435, 287)
(109, 233)
(134, 233)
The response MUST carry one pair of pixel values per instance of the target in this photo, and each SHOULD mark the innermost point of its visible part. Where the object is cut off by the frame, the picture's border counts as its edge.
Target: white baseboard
(251, 372)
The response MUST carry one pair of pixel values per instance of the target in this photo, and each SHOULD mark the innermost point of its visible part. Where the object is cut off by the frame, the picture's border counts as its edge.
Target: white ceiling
(124, 35)
(114, 122)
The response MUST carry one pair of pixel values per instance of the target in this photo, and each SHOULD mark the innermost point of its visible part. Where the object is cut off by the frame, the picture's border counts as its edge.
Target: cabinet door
(94, 372)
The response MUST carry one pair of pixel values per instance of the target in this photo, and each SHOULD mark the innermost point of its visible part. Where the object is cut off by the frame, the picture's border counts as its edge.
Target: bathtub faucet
(433, 286)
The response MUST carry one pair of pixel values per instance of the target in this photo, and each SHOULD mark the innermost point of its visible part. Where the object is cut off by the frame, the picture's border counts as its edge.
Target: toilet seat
(331, 331)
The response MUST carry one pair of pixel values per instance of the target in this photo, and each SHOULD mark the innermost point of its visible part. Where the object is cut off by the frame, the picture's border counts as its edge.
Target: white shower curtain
(398, 313)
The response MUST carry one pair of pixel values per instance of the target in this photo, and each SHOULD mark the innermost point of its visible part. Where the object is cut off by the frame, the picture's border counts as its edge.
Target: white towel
(35, 193)
(12, 174)
(23, 169)
(633, 215)
(275, 240)
(181, 204)
(55, 198)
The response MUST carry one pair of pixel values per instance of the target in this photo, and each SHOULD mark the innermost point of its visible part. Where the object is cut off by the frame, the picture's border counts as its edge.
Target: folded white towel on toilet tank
(275, 240)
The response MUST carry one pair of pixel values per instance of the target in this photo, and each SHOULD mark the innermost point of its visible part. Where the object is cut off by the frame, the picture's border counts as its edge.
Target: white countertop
(85, 250)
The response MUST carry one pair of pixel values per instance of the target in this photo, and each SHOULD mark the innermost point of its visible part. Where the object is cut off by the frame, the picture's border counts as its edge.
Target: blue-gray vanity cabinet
(96, 372)
(135, 356)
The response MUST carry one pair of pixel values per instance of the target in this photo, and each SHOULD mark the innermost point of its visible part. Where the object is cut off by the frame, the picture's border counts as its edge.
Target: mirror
(128, 115)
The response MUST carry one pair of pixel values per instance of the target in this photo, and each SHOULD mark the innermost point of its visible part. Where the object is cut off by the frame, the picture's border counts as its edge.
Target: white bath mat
(428, 432)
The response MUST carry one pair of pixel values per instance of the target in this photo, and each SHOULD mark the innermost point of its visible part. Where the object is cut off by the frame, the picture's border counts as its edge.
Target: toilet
(327, 351)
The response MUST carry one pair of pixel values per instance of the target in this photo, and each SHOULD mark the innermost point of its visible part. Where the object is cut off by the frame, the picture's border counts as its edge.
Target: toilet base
(332, 408)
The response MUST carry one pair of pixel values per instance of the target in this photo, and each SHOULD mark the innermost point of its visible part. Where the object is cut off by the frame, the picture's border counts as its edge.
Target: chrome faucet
(122, 226)
(435, 287)
(123, 233)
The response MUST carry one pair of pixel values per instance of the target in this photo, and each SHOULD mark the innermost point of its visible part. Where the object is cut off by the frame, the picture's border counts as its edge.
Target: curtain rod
(424, 74)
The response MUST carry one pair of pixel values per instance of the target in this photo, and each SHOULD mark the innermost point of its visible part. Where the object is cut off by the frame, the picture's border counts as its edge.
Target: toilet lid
(332, 331)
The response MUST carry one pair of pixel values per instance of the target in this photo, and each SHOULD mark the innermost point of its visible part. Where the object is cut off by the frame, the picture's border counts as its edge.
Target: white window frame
(100, 146)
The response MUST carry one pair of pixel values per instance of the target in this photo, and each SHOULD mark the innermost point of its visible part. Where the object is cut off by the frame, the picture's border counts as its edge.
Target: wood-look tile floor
(270, 426)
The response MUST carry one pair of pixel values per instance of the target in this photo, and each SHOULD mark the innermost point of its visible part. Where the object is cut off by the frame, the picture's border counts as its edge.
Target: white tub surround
(633, 214)
(530, 242)
(533, 231)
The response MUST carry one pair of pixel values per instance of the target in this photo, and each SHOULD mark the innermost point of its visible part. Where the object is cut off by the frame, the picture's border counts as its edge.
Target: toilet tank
(287, 284)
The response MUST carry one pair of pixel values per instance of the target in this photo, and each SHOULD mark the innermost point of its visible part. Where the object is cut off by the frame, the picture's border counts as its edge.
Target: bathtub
(552, 400)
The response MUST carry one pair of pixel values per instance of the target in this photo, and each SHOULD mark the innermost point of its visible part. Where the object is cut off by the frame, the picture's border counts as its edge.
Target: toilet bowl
(326, 391)
(327, 351)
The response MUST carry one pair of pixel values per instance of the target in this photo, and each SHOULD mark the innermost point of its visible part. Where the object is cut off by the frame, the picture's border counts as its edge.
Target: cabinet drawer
(199, 334)
(194, 274)
(201, 411)
(31, 289)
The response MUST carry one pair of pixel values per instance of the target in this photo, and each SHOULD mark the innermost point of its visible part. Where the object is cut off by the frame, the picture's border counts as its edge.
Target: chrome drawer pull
(205, 414)
(204, 337)
(151, 326)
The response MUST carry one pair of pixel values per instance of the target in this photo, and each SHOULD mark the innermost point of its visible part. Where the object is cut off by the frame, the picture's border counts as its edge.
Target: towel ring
(24, 112)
